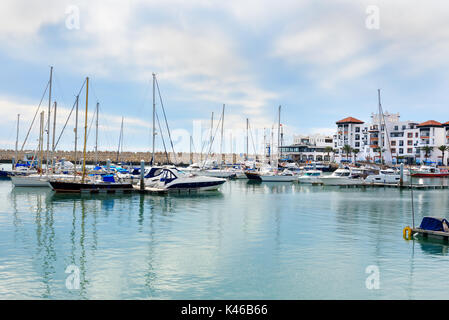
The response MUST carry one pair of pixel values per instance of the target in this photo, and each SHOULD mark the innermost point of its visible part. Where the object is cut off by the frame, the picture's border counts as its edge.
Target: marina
(248, 240)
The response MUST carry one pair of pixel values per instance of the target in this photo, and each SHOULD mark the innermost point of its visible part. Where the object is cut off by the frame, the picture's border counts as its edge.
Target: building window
(403, 127)
(357, 137)
(396, 128)
(410, 135)
(401, 143)
(410, 150)
(357, 144)
(393, 150)
(409, 142)
(416, 134)
(401, 150)
(357, 129)
(393, 143)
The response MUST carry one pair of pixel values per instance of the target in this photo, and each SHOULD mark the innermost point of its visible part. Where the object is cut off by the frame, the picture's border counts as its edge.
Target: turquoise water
(248, 241)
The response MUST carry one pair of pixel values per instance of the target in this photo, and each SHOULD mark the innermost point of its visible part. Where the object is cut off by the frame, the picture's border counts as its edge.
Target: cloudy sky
(321, 60)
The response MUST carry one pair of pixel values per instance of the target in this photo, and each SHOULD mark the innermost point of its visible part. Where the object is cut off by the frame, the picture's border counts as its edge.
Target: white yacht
(172, 179)
(284, 176)
(384, 176)
(341, 177)
(311, 176)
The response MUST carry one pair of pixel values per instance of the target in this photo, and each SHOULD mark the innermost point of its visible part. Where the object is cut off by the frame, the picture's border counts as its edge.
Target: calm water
(249, 241)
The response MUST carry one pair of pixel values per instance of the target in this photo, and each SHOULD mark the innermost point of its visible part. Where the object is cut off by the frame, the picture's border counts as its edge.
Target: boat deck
(432, 234)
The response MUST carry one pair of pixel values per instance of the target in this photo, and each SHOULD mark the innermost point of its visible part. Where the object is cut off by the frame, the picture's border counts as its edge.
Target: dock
(390, 185)
(441, 235)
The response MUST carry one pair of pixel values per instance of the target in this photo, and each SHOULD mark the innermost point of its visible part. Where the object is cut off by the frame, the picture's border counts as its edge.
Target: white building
(309, 148)
(397, 141)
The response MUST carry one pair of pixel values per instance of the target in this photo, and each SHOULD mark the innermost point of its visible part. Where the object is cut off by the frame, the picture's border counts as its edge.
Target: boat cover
(108, 178)
(434, 224)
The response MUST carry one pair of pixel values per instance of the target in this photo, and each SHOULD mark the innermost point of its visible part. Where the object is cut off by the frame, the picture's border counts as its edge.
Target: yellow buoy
(407, 233)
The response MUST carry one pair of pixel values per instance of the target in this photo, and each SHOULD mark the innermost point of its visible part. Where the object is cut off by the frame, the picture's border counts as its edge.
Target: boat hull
(430, 175)
(253, 176)
(338, 181)
(27, 181)
(275, 178)
(74, 187)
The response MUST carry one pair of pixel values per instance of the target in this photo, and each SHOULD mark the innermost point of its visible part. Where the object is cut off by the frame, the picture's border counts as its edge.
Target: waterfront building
(309, 148)
(395, 140)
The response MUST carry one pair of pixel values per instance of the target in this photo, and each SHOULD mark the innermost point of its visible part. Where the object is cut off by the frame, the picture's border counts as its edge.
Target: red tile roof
(430, 123)
(446, 124)
(349, 120)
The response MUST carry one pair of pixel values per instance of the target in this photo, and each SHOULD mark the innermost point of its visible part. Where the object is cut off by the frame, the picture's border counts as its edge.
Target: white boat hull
(340, 181)
(30, 181)
(275, 178)
(309, 180)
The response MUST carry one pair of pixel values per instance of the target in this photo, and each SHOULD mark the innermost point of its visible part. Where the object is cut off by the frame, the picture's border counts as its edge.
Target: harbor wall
(180, 158)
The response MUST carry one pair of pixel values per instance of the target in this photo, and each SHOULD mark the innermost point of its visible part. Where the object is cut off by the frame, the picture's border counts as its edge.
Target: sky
(321, 61)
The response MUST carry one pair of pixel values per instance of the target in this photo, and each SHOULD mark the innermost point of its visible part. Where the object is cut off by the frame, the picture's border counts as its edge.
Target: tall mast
(120, 141)
(41, 141)
(222, 127)
(54, 129)
(279, 134)
(380, 126)
(211, 132)
(76, 131)
(85, 130)
(154, 116)
(247, 137)
(17, 142)
(96, 135)
(48, 119)
(190, 149)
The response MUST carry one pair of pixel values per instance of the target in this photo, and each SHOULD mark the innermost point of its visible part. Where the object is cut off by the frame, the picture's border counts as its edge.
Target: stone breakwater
(180, 158)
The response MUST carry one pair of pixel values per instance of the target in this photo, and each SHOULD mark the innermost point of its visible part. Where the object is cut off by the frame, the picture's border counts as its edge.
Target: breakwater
(178, 158)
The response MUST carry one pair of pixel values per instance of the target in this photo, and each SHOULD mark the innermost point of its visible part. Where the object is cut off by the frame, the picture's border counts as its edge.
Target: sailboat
(276, 175)
(91, 183)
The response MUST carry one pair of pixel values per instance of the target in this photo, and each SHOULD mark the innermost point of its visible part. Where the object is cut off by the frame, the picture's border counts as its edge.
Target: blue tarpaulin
(434, 224)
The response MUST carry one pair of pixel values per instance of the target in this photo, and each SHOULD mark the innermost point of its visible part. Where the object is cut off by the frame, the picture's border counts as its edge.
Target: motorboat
(384, 176)
(311, 176)
(429, 172)
(284, 176)
(342, 177)
(32, 180)
(172, 179)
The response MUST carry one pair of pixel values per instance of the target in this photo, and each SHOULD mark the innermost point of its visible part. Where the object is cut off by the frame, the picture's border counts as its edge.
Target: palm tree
(427, 151)
(328, 150)
(355, 152)
(443, 149)
(347, 149)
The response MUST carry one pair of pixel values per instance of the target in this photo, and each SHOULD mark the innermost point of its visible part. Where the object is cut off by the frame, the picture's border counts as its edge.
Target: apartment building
(392, 139)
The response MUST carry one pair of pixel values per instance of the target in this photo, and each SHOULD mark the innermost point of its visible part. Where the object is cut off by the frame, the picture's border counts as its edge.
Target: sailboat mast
(279, 133)
(96, 135)
(247, 139)
(76, 132)
(211, 132)
(48, 117)
(222, 132)
(380, 126)
(54, 131)
(85, 130)
(41, 141)
(154, 116)
(17, 142)
(120, 141)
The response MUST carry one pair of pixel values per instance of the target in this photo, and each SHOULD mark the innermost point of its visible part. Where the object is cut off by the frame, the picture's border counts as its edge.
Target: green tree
(355, 152)
(348, 150)
(427, 151)
(443, 149)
